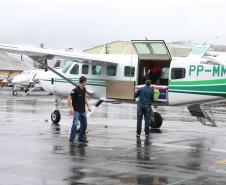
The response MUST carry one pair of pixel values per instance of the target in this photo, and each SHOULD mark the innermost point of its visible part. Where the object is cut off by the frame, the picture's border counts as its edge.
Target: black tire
(55, 116)
(14, 93)
(157, 121)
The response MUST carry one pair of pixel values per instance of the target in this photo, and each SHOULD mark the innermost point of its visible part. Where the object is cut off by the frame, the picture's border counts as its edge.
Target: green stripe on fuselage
(212, 88)
(96, 82)
(200, 93)
(204, 87)
(199, 82)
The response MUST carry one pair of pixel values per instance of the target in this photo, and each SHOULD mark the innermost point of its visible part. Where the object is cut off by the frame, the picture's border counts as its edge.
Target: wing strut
(201, 113)
(56, 72)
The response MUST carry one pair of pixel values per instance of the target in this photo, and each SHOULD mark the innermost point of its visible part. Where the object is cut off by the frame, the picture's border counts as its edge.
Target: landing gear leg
(14, 91)
(26, 90)
(55, 115)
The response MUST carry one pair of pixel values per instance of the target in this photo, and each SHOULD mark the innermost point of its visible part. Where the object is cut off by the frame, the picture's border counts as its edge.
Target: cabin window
(96, 70)
(111, 70)
(129, 71)
(85, 69)
(178, 73)
(75, 69)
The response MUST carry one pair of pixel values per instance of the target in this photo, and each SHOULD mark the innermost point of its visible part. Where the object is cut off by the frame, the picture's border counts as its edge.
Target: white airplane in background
(27, 80)
(194, 81)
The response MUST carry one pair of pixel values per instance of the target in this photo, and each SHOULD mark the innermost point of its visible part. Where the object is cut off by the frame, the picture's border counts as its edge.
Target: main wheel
(157, 123)
(55, 116)
(14, 93)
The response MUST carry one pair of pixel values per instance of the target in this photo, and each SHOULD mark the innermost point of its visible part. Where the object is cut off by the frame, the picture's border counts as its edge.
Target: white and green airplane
(195, 80)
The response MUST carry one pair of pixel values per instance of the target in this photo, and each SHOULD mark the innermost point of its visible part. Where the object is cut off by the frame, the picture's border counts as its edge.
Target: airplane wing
(41, 54)
(45, 54)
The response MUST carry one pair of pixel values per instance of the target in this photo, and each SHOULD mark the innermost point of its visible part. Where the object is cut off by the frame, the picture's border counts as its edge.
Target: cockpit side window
(67, 66)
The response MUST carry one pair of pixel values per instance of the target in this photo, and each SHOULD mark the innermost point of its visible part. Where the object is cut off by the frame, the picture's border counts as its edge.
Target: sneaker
(71, 143)
(83, 141)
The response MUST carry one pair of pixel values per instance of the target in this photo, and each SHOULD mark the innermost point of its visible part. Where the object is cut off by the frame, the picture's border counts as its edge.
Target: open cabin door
(123, 90)
(152, 53)
(152, 50)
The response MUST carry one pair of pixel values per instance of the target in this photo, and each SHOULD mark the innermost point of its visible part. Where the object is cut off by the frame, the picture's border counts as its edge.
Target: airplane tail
(199, 51)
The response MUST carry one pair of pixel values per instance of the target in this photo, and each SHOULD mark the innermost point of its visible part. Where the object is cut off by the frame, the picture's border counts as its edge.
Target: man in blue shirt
(144, 107)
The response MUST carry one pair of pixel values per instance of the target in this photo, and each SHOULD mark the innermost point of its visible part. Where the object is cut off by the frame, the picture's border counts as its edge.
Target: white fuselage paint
(96, 84)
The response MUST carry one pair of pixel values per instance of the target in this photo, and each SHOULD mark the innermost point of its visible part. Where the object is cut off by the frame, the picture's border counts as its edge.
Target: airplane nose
(15, 80)
(8, 80)
(19, 79)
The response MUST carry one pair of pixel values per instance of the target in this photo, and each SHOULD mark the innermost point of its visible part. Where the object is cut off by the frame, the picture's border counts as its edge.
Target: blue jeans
(146, 111)
(78, 116)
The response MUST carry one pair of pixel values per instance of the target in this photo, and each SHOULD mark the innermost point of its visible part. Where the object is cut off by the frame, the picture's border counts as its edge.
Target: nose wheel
(156, 120)
(55, 116)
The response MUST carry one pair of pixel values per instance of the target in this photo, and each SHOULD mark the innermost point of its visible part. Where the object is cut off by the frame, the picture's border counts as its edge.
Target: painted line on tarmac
(221, 162)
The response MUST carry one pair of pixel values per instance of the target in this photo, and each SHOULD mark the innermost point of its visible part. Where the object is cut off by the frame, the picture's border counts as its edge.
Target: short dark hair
(148, 82)
(82, 79)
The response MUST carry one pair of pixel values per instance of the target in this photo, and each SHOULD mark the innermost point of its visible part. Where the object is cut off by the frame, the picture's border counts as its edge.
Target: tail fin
(199, 51)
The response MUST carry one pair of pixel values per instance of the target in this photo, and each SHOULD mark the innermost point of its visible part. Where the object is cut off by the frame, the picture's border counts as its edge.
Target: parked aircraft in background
(27, 80)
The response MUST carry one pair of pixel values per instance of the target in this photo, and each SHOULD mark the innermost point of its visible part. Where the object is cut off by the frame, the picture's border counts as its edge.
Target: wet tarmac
(34, 151)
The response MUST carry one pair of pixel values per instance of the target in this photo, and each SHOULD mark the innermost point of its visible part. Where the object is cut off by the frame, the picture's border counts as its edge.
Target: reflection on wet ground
(34, 151)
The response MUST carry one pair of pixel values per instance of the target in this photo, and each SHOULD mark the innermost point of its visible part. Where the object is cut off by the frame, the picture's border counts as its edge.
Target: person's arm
(69, 100)
(137, 93)
(87, 101)
(87, 104)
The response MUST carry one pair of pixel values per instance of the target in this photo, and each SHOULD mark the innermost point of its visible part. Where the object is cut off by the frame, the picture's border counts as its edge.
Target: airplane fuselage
(189, 81)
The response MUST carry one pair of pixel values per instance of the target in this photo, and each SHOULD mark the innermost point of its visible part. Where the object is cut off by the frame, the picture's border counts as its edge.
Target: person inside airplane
(155, 72)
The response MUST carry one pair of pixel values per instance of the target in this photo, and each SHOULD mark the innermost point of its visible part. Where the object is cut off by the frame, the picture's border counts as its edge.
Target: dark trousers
(143, 110)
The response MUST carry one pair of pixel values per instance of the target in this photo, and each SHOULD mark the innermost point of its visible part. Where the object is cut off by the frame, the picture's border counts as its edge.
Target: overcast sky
(87, 23)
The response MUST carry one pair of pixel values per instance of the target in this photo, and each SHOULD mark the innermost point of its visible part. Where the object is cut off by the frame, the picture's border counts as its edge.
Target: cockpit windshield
(67, 66)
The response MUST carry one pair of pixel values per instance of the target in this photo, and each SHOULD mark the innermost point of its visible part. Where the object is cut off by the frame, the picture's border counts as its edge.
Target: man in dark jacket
(144, 107)
(77, 101)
